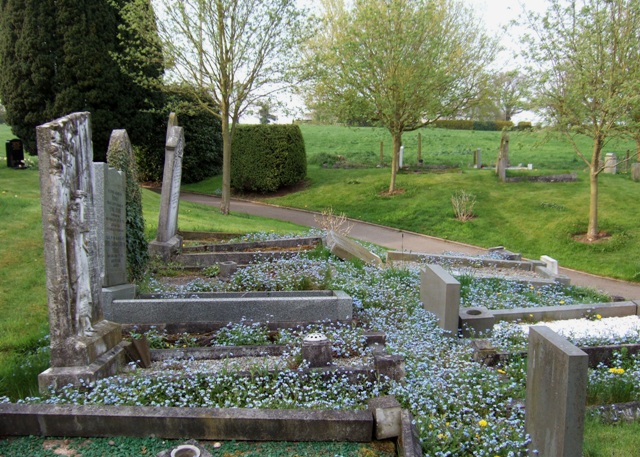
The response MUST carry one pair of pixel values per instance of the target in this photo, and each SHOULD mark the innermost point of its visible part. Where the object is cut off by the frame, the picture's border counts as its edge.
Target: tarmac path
(406, 241)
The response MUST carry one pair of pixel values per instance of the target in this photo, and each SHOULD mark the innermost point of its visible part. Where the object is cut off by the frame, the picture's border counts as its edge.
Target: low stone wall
(222, 308)
(235, 247)
(202, 424)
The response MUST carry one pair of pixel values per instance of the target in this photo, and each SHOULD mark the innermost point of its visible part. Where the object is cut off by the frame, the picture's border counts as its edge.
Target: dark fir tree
(28, 47)
(59, 57)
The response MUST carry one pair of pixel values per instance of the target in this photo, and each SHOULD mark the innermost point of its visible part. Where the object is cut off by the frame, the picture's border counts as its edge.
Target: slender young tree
(400, 63)
(588, 76)
(238, 51)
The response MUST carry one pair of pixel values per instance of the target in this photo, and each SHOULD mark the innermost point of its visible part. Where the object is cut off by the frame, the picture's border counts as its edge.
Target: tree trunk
(395, 158)
(594, 171)
(226, 165)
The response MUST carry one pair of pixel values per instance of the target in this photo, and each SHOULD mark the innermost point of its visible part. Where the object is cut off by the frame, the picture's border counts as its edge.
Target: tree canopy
(400, 63)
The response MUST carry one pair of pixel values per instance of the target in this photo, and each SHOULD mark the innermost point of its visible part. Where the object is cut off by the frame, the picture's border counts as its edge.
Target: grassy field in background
(532, 218)
(450, 147)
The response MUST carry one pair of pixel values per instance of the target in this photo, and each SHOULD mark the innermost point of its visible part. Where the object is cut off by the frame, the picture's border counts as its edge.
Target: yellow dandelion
(440, 436)
(562, 302)
(598, 316)
(616, 370)
(502, 372)
(482, 423)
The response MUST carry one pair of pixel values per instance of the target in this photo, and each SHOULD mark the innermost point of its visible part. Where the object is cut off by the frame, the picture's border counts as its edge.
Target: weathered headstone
(167, 241)
(635, 171)
(610, 163)
(347, 249)
(110, 195)
(440, 295)
(79, 335)
(556, 394)
(111, 223)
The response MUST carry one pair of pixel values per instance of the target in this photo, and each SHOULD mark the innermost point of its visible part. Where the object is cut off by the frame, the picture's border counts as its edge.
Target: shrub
(523, 125)
(120, 156)
(265, 158)
(203, 138)
(462, 124)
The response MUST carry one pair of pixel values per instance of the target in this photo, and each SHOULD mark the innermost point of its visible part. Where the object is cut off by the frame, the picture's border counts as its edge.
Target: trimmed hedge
(462, 124)
(202, 133)
(265, 158)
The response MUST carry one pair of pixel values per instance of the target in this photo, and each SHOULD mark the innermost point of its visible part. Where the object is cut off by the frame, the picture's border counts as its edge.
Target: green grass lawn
(532, 218)
(23, 298)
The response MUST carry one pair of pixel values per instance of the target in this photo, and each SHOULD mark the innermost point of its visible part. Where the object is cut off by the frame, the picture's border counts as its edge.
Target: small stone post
(419, 149)
(316, 350)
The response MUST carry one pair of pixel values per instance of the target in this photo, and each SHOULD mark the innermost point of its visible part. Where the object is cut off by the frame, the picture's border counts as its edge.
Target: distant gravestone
(78, 333)
(477, 158)
(347, 249)
(167, 241)
(15, 153)
(440, 295)
(556, 394)
(635, 171)
(610, 163)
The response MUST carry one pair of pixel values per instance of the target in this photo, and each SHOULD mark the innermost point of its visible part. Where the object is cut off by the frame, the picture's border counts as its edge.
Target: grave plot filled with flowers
(460, 407)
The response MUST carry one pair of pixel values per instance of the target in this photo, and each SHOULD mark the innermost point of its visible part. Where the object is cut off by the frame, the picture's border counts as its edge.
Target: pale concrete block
(386, 415)
(551, 263)
(440, 295)
(475, 321)
(556, 394)
(347, 249)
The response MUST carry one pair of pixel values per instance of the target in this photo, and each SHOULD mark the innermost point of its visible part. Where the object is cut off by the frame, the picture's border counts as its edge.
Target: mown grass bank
(532, 218)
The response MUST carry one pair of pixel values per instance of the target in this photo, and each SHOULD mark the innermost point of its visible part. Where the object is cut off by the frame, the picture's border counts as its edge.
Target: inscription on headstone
(109, 187)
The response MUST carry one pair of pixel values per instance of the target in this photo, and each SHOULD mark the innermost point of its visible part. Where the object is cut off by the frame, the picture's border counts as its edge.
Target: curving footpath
(406, 241)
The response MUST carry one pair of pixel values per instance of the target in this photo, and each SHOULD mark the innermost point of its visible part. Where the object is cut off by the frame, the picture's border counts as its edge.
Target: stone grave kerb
(167, 241)
(79, 335)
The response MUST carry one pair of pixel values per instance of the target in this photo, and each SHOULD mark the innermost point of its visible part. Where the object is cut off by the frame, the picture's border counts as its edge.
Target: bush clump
(121, 157)
(266, 158)
(463, 124)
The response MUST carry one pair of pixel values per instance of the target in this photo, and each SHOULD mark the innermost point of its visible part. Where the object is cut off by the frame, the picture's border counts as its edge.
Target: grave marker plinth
(83, 345)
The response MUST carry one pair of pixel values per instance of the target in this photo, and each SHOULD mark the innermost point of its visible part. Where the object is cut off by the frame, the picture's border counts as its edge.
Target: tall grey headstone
(440, 295)
(78, 332)
(111, 218)
(168, 241)
(556, 394)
